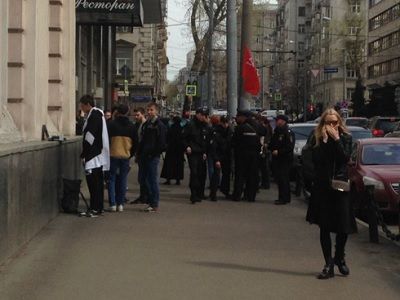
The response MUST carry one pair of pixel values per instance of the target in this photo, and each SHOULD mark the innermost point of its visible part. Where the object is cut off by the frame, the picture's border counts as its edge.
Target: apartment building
(384, 50)
(337, 49)
(289, 66)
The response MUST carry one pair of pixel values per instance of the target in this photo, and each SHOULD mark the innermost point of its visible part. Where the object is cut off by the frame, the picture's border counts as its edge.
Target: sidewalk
(222, 250)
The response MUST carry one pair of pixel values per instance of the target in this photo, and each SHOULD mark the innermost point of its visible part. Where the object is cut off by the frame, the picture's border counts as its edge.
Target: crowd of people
(245, 148)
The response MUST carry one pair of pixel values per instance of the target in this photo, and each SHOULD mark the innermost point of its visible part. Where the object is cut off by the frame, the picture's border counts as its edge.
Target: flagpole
(247, 8)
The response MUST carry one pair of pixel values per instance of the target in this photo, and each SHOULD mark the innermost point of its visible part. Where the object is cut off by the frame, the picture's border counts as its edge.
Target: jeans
(150, 174)
(119, 170)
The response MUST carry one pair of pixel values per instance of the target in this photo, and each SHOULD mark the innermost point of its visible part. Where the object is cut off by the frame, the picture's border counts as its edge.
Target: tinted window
(387, 125)
(357, 122)
(360, 134)
(386, 154)
(302, 133)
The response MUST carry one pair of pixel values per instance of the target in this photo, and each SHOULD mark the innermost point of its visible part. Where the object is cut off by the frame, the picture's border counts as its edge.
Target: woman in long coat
(329, 208)
(174, 156)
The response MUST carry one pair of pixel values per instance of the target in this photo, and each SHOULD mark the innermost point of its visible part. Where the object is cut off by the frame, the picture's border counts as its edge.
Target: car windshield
(357, 122)
(302, 132)
(387, 125)
(360, 134)
(384, 154)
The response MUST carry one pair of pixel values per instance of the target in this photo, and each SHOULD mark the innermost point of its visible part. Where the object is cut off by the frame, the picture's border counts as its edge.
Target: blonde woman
(331, 209)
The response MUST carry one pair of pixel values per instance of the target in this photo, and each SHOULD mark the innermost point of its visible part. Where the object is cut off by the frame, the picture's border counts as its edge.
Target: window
(300, 64)
(384, 18)
(355, 8)
(302, 11)
(351, 74)
(385, 42)
(353, 30)
(120, 63)
(301, 46)
(302, 28)
(349, 93)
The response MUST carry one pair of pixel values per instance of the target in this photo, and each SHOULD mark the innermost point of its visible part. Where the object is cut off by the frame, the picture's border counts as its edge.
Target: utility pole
(247, 8)
(344, 74)
(210, 58)
(232, 73)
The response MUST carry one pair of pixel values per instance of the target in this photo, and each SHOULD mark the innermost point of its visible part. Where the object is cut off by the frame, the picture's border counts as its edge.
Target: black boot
(178, 182)
(343, 268)
(327, 272)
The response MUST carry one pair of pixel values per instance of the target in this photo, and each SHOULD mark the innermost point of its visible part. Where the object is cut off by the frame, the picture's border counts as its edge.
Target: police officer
(281, 146)
(195, 140)
(246, 144)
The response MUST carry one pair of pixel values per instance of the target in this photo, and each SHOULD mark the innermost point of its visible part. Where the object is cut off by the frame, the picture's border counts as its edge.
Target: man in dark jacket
(195, 140)
(226, 133)
(123, 141)
(95, 153)
(247, 145)
(153, 142)
(281, 147)
(140, 119)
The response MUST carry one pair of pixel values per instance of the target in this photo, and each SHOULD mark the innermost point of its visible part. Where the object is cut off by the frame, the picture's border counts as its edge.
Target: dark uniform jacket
(217, 146)
(123, 138)
(153, 141)
(282, 140)
(195, 136)
(246, 137)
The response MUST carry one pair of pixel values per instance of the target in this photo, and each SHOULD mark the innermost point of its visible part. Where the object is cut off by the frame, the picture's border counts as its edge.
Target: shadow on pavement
(251, 269)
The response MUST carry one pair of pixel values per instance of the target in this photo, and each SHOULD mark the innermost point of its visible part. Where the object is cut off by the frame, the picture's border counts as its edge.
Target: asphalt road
(221, 250)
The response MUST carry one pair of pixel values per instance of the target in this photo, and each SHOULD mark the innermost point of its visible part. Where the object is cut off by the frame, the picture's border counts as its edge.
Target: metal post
(210, 58)
(305, 98)
(344, 74)
(372, 218)
(232, 77)
(246, 36)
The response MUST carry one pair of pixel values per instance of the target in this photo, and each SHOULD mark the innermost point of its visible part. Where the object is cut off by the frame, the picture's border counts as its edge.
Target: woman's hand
(333, 132)
(324, 134)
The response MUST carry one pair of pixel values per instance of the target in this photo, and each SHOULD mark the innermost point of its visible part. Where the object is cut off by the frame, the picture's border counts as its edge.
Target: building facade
(37, 68)
(337, 50)
(384, 50)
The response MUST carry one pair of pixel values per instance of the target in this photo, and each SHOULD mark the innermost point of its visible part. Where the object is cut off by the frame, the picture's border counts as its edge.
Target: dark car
(395, 132)
(357, 121)
(376, 162)
(383, 125)
(307, 168)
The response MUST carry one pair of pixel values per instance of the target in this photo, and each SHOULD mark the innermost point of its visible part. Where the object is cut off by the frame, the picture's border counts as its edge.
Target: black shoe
(280, 202)
(343, 268)
(178, 182)
(213, 198)
(168, 182)
(327, 272)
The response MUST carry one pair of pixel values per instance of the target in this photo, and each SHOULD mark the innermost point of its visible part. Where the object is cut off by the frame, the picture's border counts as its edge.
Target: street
(221, 250)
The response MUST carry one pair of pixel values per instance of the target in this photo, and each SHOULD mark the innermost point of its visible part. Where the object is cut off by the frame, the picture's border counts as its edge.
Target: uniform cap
(245, 113)
(203, 110)
(282, 117)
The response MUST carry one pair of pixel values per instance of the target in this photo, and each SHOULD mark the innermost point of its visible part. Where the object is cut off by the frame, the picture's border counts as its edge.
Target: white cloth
(103, 159)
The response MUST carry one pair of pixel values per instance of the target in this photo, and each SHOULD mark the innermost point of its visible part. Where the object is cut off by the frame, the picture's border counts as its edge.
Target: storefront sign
(109, 12)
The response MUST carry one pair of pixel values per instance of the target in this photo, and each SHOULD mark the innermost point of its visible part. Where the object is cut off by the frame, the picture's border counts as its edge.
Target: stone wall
(31, 187)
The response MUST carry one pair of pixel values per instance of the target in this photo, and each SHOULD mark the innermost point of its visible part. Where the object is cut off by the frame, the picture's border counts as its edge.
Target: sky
(179, 39)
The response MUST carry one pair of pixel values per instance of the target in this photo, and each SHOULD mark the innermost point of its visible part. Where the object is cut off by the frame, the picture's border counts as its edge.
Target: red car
(376, 162)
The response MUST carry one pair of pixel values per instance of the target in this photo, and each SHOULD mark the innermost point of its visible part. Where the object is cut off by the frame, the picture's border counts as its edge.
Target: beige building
(338, 43)
(141, 59)
(384, 47)
(37, 71)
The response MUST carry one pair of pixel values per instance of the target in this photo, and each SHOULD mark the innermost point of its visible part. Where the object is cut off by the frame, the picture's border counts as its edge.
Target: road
(221, 250)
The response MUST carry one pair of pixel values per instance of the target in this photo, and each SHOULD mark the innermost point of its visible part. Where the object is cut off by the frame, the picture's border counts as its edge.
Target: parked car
(376, 162)
(395, 132)
(301, 131)
(383, 125)
(357, 121)
(307, 166)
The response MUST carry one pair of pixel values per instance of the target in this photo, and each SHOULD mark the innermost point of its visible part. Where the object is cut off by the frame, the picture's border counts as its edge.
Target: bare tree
(200, 29)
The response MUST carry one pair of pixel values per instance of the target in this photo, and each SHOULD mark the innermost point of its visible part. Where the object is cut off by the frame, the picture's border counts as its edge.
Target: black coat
(196, 135)
(174, 157)
(331, 210)
(154, 139)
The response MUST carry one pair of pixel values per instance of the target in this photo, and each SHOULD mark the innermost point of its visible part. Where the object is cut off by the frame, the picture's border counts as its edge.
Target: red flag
(251, 80)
